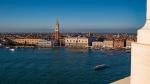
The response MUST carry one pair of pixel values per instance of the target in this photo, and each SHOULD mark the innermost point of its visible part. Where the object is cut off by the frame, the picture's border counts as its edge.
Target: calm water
(62, 66)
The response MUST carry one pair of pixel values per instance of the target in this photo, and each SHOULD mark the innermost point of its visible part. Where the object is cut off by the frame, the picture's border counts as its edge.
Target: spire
(57, 22)
(56, 25)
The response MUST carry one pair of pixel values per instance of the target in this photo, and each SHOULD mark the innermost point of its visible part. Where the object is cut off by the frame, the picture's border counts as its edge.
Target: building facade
(27, 41)
(119, 43)
(44, 44)
(77, 42)
(97, 44)
(108, 43)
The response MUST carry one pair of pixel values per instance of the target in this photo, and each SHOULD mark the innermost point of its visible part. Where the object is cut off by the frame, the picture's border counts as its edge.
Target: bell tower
(56, 30)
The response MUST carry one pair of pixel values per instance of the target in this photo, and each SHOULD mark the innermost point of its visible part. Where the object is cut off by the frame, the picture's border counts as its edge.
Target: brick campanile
(56, 31)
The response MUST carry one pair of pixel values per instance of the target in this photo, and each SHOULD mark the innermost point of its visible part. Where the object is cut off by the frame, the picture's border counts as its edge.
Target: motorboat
(101, 66)
(12, 49)
(6, 47)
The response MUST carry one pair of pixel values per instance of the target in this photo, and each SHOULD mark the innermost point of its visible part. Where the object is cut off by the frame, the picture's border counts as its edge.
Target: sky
(73, 15)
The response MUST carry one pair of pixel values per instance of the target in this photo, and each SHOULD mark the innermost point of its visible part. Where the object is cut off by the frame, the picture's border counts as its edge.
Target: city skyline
(74, 15)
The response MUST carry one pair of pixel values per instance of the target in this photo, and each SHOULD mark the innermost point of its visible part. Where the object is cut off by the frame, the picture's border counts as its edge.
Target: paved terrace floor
(123, 81)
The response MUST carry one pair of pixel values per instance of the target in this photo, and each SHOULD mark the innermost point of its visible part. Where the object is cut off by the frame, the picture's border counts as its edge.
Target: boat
(6, 47)
(12, 49)
(101, 66)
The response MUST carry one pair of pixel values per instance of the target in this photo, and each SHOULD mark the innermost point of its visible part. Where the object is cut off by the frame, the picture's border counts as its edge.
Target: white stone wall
(44, 43)
(97, 44)
(108, 44)
(140, 55)
(27, 41)
(76, 42)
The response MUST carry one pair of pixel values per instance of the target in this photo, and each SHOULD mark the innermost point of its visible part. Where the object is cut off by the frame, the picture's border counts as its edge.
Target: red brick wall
(119, 44)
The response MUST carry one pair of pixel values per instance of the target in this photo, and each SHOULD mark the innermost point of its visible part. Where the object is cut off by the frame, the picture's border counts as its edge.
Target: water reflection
(77, 50)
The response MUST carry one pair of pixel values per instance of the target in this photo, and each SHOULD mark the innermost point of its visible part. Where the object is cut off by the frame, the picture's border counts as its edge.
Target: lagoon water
(62, 66)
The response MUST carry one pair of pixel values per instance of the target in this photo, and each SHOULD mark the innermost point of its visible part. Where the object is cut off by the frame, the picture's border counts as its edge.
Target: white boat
(101, 66)
(7, 47)
(12, 49)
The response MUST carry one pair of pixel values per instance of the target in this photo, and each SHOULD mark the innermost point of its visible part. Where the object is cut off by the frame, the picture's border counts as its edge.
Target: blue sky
(73, 15)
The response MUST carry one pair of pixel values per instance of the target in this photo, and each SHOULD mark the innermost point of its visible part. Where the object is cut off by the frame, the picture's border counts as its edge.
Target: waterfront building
(119, 43)
(108, 43)
(62, 41)
(35, 42)
(44, 44)
(28, 41)
(77, 42)
(97, 44)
